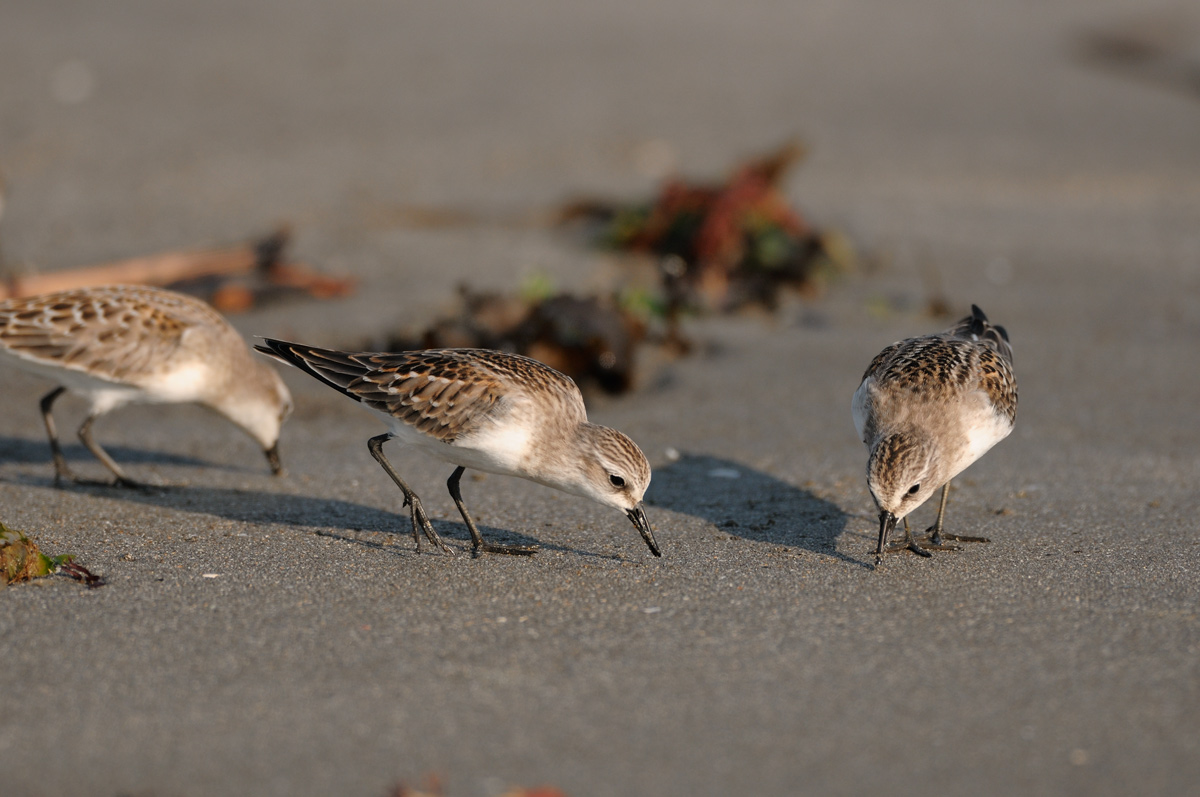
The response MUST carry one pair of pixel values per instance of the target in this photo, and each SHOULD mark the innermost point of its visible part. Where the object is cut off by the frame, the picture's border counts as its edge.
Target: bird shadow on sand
(750, 504)
(31, 452)
(327, 517)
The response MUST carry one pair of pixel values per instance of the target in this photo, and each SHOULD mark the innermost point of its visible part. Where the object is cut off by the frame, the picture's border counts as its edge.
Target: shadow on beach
(750, 504)
(329, 517)
(732, 496)
(31, 452)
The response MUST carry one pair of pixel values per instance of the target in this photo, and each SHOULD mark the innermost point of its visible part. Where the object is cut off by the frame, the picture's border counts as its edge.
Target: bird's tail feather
(977, 327)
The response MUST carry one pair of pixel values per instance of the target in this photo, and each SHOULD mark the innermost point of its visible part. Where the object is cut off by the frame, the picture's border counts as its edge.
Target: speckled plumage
(132, 344)
(488, 410)
(927, 408)
(446, 393)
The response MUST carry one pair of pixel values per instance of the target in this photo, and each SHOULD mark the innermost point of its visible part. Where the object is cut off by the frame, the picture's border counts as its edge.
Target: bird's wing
(444, 393)
(122, 333)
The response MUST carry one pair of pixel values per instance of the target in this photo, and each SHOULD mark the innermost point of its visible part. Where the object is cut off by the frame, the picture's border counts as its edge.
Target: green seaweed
(22, 560)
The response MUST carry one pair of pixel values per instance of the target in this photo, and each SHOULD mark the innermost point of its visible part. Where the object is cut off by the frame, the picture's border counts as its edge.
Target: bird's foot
(907, 545)
(63, 474)
(443, 547)
(901, 547)
(61, 480)
(420, 523)
(937, 537)
(926, 544)
(958, 538)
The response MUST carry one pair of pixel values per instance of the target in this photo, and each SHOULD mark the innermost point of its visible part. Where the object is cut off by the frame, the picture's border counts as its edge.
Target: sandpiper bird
(926, 409)
(126, 344)
(495, 412)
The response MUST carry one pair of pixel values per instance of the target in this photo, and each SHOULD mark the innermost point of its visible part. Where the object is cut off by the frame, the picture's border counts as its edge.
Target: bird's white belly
(984, 431)
(102, 394)
(186, 383)
(501, 449)
(982, 427)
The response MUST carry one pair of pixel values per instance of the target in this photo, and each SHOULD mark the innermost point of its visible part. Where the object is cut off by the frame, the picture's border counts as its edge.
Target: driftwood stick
(159, 269)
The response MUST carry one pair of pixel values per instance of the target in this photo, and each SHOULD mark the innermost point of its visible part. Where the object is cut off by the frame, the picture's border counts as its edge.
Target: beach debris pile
(713, 247)
(722, 246)
(592, 339)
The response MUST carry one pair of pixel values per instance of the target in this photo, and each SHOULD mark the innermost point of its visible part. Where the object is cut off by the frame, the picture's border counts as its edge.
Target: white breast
(499, 448)
(186, 383)
(982, 432)
(982, 427)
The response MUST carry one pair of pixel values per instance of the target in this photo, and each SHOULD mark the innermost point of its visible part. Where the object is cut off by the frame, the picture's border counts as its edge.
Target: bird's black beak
(638, 516)
(887, 522)
(273, 459)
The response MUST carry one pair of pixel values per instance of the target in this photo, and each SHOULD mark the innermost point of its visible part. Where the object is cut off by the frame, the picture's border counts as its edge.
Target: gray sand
(263, 636)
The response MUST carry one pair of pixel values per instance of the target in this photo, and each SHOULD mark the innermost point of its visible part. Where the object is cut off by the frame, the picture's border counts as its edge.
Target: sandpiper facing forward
(127, 344)
(927, 408)
(487, 410)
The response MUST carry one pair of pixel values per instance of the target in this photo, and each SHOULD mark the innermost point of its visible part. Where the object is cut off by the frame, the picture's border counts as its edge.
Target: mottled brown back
(445, 393)
(972, 351)
(117, 332)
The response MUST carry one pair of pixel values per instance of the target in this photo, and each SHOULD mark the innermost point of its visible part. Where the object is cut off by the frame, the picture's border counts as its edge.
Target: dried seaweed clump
(22, 560)
(591, 339)
(721, 246)
(433, 788)
(717, 248)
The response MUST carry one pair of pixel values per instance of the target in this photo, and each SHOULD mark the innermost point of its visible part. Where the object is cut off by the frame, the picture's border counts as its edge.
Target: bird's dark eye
(916, 488)
(616, 481)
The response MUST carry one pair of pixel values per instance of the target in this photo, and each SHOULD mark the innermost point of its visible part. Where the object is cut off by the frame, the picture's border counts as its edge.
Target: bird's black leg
(911, 544)
(61, 469)
(85, 434)
(420, 521)
(935, 534)
(476, 537)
